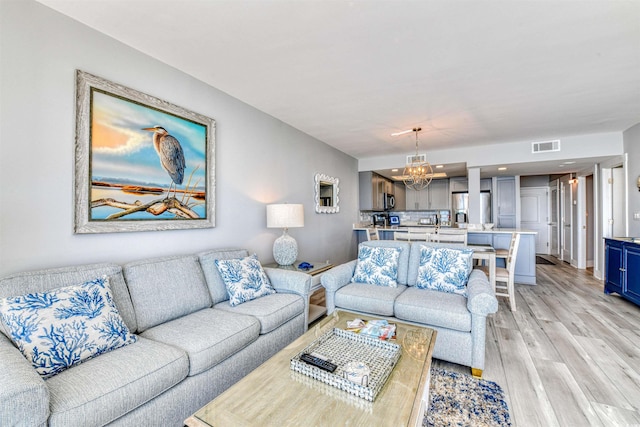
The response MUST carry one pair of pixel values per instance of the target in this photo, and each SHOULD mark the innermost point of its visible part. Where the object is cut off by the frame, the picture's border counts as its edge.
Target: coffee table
(274, 395)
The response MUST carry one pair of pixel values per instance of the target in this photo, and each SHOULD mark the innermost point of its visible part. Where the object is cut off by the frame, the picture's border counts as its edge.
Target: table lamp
(285, 216)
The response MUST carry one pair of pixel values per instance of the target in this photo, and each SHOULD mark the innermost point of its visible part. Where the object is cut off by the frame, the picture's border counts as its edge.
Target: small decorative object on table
(343, 349)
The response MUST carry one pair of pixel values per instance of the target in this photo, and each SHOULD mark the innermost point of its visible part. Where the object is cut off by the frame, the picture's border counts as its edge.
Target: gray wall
(259, 159)
(632, 147)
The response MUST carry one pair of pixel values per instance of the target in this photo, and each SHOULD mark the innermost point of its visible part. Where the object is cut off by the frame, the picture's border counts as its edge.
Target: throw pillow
(444, 269)
(377, 266)
(62, 327)
(244, 279)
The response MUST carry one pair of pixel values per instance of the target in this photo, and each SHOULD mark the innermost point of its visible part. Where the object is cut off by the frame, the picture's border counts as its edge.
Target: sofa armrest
(333, 280)
(338, 276)
(481, 298)
(24, 395)
(287, 281)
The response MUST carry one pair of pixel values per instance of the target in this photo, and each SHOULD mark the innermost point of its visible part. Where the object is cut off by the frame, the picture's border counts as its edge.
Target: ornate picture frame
(326, 193)
(142, 163)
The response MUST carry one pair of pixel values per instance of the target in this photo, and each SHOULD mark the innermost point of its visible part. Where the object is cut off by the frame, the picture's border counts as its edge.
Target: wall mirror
(326, 194)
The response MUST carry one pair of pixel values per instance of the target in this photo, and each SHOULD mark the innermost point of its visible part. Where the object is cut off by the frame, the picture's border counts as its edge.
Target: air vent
(421, 158)
(545, 146)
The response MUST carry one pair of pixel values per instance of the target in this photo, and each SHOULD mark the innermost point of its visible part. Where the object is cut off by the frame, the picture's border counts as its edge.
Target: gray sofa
(192, 345)
(460, 321)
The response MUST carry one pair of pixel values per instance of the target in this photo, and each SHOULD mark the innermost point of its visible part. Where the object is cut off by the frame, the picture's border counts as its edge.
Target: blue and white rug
(461, 400)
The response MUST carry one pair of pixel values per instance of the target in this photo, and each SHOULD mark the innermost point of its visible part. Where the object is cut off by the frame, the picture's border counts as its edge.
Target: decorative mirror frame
(331, 180)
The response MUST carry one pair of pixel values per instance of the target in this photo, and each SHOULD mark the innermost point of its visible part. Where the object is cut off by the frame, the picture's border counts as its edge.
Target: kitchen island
(499, 238)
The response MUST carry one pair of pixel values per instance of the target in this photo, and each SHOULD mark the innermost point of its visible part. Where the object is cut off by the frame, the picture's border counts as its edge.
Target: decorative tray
(343, 347)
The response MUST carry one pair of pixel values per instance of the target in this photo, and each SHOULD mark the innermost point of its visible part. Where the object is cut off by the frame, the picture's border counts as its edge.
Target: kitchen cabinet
(622, 269)
(462, 184)
(435, 196)
(459, 184)
(372, 190)
(439, 195)
(505, 202)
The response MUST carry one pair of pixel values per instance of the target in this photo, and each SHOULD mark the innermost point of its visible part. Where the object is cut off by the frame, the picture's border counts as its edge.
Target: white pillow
(377, 266)
(62, 327)
(244, 279)
(444, 269)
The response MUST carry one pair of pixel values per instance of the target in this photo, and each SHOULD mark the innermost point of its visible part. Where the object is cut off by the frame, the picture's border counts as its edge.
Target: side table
(315, 311)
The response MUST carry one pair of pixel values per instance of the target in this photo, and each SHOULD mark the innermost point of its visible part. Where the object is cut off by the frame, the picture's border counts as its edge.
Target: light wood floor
(569, 355)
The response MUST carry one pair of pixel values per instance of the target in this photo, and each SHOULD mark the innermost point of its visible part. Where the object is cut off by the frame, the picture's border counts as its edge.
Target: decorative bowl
(488, 226)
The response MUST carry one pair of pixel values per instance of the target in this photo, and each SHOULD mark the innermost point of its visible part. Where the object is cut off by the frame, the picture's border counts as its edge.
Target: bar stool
(505, 276)
(372, 234)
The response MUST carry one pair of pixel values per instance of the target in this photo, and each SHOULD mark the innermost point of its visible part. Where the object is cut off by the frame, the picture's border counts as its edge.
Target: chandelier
(418, 172)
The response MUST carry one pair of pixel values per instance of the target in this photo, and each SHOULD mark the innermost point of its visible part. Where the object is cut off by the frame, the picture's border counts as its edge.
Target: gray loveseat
(459, 320)
(192, 345)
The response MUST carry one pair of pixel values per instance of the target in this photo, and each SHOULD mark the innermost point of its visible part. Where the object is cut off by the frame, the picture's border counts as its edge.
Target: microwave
(389, 201)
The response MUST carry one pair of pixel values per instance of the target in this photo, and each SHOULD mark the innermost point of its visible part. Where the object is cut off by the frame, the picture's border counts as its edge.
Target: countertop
(625, 239)
(492, 231)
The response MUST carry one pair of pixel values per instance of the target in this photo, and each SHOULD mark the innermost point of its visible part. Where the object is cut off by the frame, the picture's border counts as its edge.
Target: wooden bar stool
(505, 286)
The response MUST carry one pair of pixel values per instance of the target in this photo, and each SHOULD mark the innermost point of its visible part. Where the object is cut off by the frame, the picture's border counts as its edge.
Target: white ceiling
(352, 72)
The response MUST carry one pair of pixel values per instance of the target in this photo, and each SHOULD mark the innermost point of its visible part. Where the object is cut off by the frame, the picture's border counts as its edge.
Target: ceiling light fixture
(418, 173)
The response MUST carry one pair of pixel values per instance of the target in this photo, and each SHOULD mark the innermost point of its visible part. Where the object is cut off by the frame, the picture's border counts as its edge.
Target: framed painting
(142, 163)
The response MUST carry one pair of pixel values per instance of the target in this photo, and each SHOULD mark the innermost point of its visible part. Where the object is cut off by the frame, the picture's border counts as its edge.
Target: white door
(554, 219)
(566, 209)
(533, 202)
(618, 202)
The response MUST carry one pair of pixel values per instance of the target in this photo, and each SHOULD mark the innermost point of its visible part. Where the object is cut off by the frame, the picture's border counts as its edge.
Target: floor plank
(569, 356)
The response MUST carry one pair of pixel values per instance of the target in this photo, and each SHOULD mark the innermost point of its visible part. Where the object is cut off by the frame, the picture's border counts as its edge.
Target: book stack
(380, 329)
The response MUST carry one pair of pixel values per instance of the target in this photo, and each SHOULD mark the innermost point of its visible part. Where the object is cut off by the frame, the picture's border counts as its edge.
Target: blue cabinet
(622, 269)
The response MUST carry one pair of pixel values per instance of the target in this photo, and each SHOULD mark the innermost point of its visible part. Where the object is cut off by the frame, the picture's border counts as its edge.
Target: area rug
(461, 400)
(540, 260)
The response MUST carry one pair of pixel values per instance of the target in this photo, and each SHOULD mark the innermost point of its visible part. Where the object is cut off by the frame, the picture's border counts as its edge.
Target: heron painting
(149, 168)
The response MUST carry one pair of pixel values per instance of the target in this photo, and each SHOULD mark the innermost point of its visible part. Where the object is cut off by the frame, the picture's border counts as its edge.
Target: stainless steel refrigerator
(460, 204)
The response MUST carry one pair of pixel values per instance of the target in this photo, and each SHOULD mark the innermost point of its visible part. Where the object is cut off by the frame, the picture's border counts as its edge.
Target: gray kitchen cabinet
(435, 196)
(417, 200)
(372, 190)
(506, 202)
(439, 195)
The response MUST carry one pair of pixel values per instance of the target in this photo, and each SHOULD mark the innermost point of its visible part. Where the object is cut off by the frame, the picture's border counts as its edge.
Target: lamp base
(285, 249)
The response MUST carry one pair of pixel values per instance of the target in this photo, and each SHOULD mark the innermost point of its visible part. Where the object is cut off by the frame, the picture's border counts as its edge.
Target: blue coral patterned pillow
(444, 269)
(377, 266)
(244, 279)
(62, 327)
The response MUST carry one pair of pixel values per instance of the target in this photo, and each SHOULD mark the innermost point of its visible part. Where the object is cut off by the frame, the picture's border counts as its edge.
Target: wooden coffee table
(274, 395)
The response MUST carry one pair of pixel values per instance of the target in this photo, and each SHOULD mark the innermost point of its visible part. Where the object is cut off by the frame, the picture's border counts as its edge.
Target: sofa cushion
(403, 260)
(272, 311)
(444, 269)
(164, 289)
(377, 266)
(368, 299)
(244, 279)
(103, 389)
(51, 278)
(208, 336)
(216, 286)
(62, 327)
(433, 308)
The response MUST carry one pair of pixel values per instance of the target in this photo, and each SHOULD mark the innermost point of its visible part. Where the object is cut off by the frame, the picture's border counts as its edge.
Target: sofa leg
(476, 373)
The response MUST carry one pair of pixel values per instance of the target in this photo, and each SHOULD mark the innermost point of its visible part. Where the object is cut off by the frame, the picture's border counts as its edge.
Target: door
(618, 202)
(566, 208)
(534, 217)
(554, 202)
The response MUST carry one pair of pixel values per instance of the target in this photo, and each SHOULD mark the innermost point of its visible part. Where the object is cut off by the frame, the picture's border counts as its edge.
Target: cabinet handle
(622, 269)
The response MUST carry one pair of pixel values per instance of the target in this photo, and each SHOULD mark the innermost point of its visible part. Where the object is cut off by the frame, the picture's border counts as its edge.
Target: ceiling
(352, 72)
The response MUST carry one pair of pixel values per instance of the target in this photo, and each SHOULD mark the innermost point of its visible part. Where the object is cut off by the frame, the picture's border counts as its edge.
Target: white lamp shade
(285, 216)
